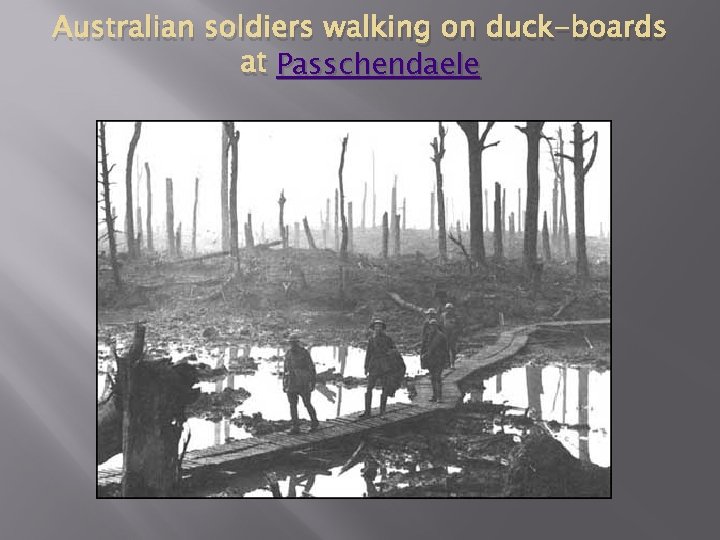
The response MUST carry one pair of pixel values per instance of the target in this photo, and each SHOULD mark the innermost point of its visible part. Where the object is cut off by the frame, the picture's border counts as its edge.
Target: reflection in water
(589, 438)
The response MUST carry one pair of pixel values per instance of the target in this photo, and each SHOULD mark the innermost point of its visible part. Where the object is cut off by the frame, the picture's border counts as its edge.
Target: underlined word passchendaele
(418, 66)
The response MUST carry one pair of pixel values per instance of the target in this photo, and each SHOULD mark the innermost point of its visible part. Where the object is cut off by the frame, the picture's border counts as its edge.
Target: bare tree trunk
(565, 230)
(385, 235)
(511, 225)
(533, 133)
(194, 233)
(138, 244)
(519, 213)
(344, 240)
(498, 225)
(578, 160)
(438, 147)
(308, 234)
(281, 226)
(224, 203)
(432, 214)
(503, 209)
(296, 239)
(351, 246)
(149, 210)
(546, 239)
(326, 230)
(169, 217)
(476, 146)
(362, 224)
(396, 234)
(487, 214)
(337, 220)
(129, 227)
(249, 235)
(178, 241)
(109, 217)
(233, 137)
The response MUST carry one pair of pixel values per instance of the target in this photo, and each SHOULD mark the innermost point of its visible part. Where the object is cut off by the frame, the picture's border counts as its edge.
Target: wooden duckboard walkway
(234, 454)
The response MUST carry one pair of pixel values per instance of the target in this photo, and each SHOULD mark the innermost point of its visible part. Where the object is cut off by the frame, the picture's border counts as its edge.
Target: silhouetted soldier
(299, 379)
(452, 328)
(435, 359)
(430, 314)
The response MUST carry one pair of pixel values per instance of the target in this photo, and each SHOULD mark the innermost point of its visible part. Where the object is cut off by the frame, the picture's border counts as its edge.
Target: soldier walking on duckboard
(436, 358)
(299, 379)
(383, 366)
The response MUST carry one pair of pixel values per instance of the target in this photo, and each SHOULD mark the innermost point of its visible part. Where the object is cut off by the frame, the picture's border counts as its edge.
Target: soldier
(381, 366)
(430, 314)
(436, 358)
(299, 381)
(452, 328)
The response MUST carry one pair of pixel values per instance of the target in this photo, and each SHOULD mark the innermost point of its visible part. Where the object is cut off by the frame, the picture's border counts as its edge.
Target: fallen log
(405, 304)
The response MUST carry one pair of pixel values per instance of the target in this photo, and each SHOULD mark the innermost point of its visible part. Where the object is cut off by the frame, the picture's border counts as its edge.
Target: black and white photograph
(329, 309)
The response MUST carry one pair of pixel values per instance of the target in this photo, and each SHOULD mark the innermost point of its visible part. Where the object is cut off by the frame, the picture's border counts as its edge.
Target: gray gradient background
(663, 100)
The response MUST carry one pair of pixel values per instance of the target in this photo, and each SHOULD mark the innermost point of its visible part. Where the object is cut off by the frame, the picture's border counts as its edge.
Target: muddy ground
(259, 300)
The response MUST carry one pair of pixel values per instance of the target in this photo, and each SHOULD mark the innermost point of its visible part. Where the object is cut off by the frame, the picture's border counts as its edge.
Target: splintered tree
(533, 133)
(178, 241)
(476, 147)
(438, 146)
(194, 232)
(432, 214)
(546, 239)
(169, 217)
(581, 170)
(138, 175)
(362, 220)
(224, 207)
(385, 235)
(233, 136)
(393, 211)
(498, 225)
(249, 235)
(396, 235)
(351, 246)
(109, 217)
(149, 210)
(129, 227)
(503, 210)
(565, 227)
(308, 234)
(281, 220)
(337, 220)
(344, 241)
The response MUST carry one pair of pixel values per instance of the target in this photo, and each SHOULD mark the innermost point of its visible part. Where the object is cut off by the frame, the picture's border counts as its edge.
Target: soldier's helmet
(294, 337)
(433, 322)
(449, 306)
(376, 322)
(431, 312)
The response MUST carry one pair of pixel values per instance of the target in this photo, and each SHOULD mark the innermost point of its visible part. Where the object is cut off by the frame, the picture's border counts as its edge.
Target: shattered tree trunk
(351, 246)
(296, 239)
(337, 220)
(476, 147)
(169, 217)
(362, 222)
(565, 230)
(511, 225)
(498, 225)
(432, 214)
(308, 234)
(281, 224)
(487, 214)
(580, 169)
(533, 133)
(404, 214)
(344, 240)
(519, 213)
(129, 227)
(546, 239)
(149, 210)
(438, 146)
(109, 215)
(233, 137)
(503, 209)
(326, 230)
(249, 235)
(178, 241)
(194, 233)
(385, 235)
(224, 206)
(393, 212)
(152, 396)
(396, 234)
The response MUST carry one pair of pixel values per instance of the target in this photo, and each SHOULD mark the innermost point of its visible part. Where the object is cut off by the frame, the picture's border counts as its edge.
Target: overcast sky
(303, 159)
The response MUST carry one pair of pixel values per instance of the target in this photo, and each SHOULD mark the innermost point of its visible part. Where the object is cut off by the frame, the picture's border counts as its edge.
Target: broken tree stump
(153, 396)
(308, 234)
(385, 235)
